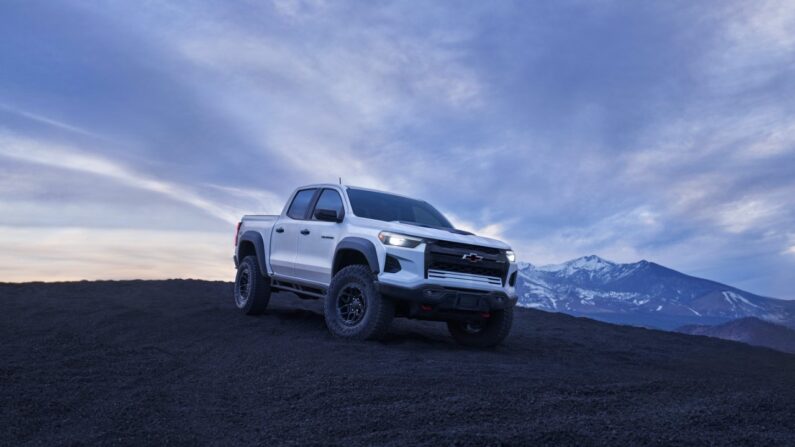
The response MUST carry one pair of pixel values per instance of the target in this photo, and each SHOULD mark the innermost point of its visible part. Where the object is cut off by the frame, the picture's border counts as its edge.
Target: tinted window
(301, 204)
(330, 200)
(390, 208)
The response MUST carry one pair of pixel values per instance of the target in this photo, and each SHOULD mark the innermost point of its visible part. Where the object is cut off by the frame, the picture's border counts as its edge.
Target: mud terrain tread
(379, 314)
(260, 294)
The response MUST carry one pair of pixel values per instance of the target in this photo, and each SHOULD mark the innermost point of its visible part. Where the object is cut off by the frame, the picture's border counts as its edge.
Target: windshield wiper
(413, 223)
(451, 230)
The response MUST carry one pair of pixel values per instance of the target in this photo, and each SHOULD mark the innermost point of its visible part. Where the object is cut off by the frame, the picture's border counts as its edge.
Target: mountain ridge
(641, 293)
(749, 330)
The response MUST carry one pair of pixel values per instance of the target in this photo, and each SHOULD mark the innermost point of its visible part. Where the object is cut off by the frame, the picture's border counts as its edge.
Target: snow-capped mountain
(642, 293)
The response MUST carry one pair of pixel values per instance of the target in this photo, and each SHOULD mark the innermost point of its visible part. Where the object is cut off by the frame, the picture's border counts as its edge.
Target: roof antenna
(340, 180)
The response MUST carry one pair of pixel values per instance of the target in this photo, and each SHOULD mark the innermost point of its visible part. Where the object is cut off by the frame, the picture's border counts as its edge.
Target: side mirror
(327, 215)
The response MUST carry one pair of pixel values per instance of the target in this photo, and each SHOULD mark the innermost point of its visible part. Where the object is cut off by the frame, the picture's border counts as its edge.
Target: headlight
(399, 240)
(510, 255)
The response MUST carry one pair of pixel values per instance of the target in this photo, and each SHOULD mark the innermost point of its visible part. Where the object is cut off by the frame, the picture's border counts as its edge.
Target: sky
(133, 135)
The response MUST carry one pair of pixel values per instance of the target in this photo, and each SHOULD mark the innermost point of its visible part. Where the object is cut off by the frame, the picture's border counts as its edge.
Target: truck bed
(262, 224)
(260, 217)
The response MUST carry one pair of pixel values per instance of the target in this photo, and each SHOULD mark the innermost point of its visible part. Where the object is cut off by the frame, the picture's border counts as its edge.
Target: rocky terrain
(172, 362)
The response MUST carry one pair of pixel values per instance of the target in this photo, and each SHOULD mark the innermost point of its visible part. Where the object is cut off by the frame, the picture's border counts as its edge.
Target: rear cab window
(300, 204)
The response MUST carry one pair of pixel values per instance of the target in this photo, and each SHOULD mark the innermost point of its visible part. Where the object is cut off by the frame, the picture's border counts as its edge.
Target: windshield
(391, 208)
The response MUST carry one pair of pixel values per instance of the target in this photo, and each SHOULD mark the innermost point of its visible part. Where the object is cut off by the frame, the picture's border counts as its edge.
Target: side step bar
(287, 286)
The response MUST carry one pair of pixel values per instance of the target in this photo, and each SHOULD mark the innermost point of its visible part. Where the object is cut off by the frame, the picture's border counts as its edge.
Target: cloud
(66, 157)
(620, 237)
(340, 103)
(743, 215)
(79, 253)
(755, 44)
(50, 121)
(631, 130)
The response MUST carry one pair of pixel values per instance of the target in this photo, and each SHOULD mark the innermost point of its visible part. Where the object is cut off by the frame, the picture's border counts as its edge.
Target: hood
(442, 235)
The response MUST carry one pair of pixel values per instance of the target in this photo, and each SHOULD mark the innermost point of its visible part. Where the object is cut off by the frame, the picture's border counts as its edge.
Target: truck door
(318, 240)
(284, 238)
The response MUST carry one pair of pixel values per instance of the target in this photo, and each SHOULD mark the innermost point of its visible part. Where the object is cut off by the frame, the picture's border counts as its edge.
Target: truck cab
(371, 256)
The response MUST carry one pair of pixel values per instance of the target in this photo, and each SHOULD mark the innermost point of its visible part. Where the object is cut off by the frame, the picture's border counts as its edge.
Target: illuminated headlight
(399, 240)
(510, 255)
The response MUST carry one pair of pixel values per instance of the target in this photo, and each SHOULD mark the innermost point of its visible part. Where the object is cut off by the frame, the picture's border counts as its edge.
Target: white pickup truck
(371, 256)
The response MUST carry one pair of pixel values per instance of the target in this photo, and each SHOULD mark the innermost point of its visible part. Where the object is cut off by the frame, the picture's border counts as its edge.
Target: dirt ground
(173, 363)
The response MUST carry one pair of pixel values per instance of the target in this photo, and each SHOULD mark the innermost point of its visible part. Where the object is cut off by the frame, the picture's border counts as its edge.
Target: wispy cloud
(49, 121)
(66, 157)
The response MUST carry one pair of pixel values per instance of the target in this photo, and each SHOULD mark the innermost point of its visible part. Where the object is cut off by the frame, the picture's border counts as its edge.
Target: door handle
(304, 231)
(280, 230)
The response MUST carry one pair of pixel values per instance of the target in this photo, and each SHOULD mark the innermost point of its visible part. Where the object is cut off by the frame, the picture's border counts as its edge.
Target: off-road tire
(377, 314)
(252, 290)
(493, 330)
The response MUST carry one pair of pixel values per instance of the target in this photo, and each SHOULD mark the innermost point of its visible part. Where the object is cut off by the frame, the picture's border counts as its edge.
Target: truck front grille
(480, 279)
(447, 259)
(466, 247)
(465, 269)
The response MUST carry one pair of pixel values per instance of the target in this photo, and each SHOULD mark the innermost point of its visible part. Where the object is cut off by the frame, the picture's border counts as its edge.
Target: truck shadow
(305, 316)
(401, 337)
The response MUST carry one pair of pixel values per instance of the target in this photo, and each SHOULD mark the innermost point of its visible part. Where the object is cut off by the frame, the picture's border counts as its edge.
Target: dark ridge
(749, 330)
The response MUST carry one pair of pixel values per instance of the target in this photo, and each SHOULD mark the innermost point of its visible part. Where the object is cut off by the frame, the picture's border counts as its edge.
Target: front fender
(361, 245)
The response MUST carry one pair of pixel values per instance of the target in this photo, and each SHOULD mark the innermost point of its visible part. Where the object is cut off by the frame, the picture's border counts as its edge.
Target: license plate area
(468, 301)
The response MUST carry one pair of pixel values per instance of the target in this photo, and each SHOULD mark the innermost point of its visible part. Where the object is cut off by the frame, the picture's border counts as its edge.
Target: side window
(330, 200)
(300, 204)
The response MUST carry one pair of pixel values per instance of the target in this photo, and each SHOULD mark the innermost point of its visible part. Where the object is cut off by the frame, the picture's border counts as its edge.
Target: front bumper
(449, 299)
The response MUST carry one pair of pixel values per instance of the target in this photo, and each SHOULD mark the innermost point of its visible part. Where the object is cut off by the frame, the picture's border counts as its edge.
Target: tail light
(237, 232)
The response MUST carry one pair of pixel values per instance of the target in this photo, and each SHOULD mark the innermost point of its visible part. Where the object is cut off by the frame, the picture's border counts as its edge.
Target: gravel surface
(173, 362)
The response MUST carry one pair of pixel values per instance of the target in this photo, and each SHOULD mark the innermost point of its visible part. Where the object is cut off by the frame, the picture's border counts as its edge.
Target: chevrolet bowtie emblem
(472, 257)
